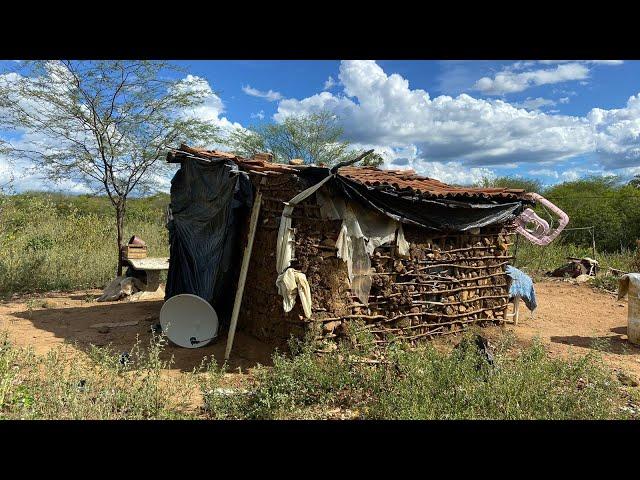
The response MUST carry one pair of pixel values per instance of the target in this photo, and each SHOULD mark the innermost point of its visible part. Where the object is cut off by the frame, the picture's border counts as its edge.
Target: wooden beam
(255, 213)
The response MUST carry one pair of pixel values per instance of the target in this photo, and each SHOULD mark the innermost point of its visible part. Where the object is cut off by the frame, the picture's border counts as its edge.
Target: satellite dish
(189, 321)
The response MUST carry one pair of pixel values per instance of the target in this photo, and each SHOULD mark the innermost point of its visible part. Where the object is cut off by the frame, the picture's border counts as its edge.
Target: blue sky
(453, 120)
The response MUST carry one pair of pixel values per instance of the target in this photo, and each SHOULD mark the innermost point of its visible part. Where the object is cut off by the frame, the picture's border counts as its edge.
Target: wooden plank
(149, 263)
(243, 272)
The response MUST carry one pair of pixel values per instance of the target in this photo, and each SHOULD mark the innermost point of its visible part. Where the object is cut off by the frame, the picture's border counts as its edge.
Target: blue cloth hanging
(522, 286)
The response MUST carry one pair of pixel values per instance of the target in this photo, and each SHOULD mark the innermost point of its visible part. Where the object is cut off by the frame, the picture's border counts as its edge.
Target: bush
(102, 385)
(605, 203)
(424, 383)
(404, 383)
(56, 242)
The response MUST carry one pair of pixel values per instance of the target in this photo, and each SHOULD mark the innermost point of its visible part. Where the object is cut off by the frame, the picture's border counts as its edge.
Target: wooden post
(255, 213)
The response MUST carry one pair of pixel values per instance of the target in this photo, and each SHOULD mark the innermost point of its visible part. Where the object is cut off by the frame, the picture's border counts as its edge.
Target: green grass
(537, 260)
(418, 383)
(56, 242)
(423, 383)
(64, 385)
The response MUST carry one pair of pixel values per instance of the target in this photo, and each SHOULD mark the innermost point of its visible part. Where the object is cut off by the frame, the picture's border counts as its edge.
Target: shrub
(424, 383)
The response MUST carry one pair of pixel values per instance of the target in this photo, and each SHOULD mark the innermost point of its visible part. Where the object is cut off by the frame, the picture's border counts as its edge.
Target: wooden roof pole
(255, 213)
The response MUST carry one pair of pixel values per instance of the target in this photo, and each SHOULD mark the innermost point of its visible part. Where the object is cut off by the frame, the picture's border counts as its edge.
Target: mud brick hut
(405, 255)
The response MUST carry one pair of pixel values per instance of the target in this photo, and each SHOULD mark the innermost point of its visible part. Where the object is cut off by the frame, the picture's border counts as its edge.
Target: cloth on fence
(522, 286)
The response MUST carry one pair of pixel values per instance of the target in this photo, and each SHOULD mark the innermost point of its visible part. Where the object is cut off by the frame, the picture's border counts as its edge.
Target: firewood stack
(447, 283)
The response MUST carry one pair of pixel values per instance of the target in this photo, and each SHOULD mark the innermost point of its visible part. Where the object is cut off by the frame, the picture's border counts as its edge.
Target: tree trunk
(120, 228)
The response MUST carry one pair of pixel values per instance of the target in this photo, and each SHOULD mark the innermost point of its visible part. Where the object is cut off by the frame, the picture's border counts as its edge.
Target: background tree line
(609, 204)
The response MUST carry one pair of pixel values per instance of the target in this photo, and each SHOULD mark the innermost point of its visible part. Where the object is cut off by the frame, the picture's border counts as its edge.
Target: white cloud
(452, 135)
(329, 83)
(544, 172)
(22, 176)
(259, 115)
(382, 109)
(212, 106)
(534, 103)
(594, 62)
(409, 158)
(27, 177)
(508, 81)
(617, 134)
(271, 96)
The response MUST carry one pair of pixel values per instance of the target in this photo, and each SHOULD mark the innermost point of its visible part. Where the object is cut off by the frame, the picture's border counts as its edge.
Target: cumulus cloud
(451, 136)
(510, 81)
(382, 109)
(22, 176)
(617, 134)
(27, 177)
(212, 106)
(595, 62)
(271, 95)
(520, 76)
(329, 83)
(259, 115)
(535, 103)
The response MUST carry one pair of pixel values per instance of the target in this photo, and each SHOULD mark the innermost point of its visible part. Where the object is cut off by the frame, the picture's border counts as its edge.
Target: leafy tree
(527, 184)
(612, 208)
(314, 138)
(635, 181)
(105, 124)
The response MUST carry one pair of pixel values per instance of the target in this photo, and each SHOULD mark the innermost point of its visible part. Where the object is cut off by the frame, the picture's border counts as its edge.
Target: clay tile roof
(407, 180)
(403, 181)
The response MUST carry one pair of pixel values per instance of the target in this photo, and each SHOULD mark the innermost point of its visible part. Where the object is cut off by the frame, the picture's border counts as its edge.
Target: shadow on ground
(618, 344)
(74, 325)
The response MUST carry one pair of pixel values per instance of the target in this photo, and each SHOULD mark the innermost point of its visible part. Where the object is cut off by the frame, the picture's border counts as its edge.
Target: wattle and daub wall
(447, 283)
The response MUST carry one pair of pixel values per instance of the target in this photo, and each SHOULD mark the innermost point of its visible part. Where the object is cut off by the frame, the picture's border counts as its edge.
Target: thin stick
(243, 271)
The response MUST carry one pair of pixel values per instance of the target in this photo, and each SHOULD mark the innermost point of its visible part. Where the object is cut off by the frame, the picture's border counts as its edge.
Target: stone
(331, 326)
(583, 278)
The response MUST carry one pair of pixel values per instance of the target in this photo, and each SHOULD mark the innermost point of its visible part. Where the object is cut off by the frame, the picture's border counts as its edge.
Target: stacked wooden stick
(447, 283)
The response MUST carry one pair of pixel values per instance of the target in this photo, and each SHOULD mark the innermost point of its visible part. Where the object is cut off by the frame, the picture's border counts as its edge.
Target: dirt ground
(67, 318)
(570, 319)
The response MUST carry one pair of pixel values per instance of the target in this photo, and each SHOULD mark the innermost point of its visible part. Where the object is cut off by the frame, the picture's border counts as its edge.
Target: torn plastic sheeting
(352, 249)
(376, 228)
(362, 231)
(403, 245)
(433, 214)
(208, 200)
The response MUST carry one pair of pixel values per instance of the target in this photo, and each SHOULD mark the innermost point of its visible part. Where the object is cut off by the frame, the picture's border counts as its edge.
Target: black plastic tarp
(209, 201)
(439, 214)
(434, 214)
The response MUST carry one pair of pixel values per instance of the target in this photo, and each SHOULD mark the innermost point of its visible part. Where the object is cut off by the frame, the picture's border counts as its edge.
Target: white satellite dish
(189, 321)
